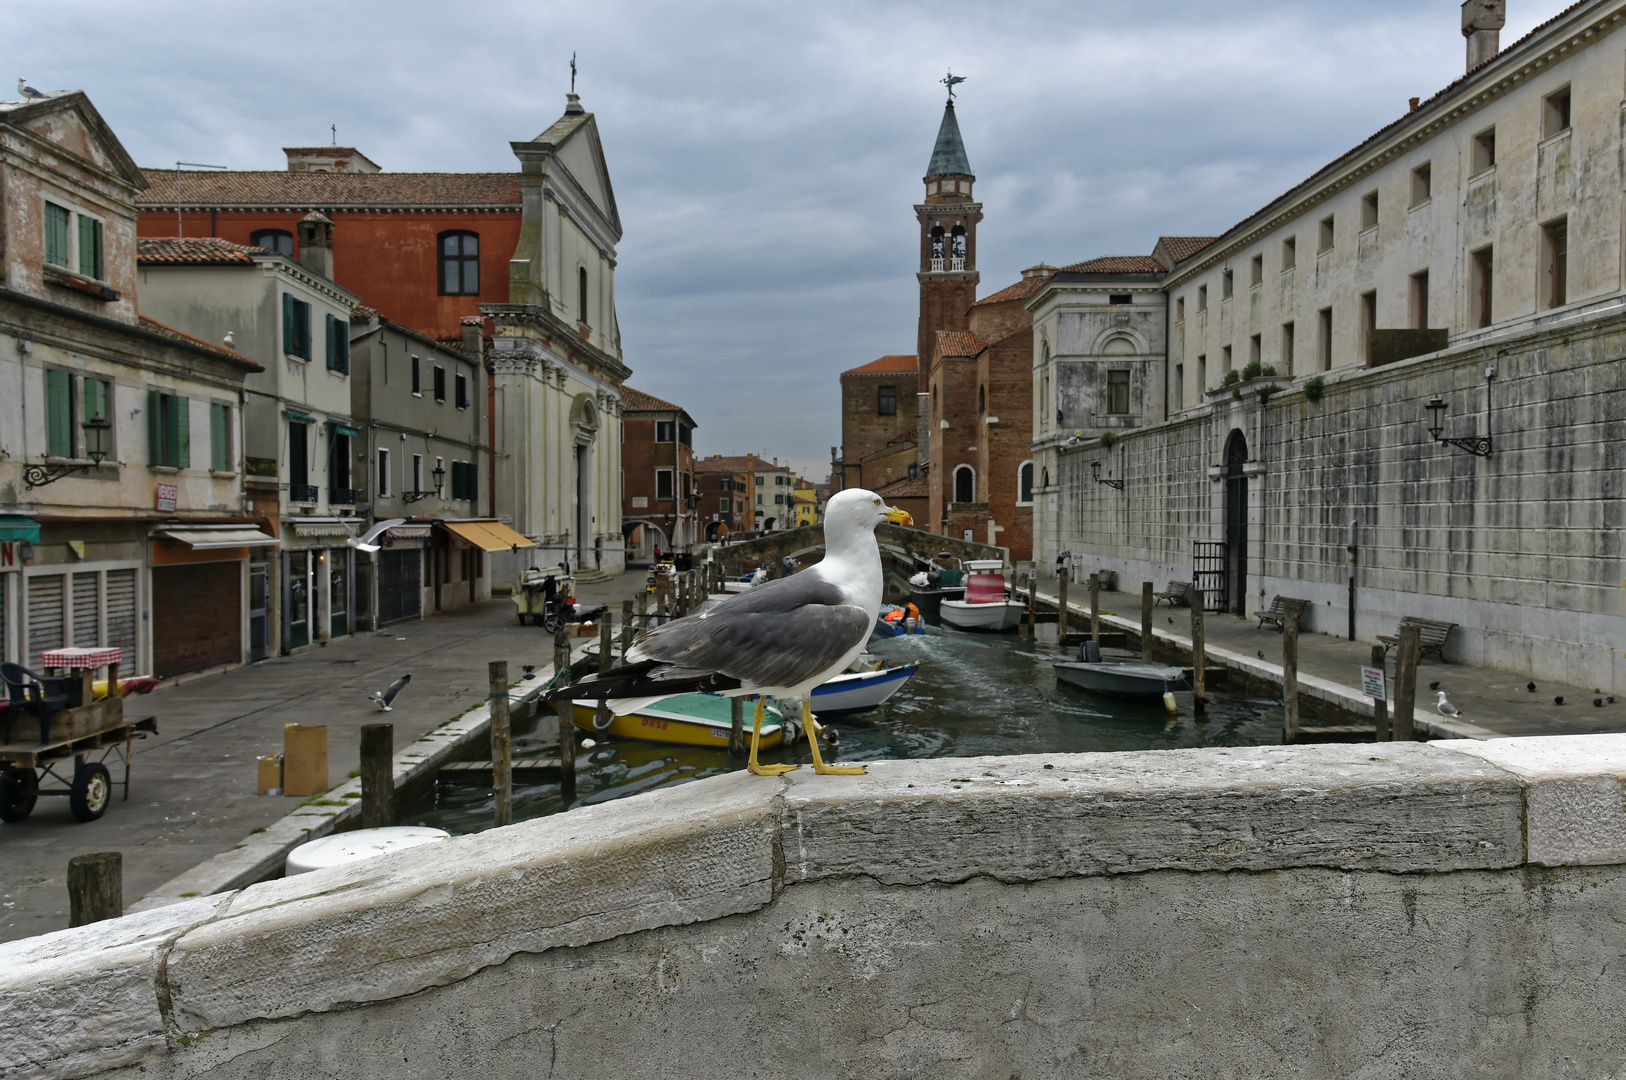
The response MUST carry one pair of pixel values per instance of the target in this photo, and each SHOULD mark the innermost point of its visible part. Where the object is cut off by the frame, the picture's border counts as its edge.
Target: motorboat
(746, 581)
(861, 691)
(930, 587)
(683, 720)
(985, 606)
(895, 621)
(1119, 678)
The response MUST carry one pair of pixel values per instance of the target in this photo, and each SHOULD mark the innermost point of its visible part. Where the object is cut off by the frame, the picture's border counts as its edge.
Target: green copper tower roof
(948, 156)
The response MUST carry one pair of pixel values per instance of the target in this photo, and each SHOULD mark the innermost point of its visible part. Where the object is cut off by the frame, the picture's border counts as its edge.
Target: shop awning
(323, 527)
(489, 535)
(409, 532)
(345, 429)
(22, 529)
(203, 538)
(302, 417)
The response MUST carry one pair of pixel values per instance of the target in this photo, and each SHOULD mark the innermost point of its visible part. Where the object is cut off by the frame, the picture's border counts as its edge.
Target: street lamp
(439, 473)
(1095, 471)
(97, 429)
(1478, 445)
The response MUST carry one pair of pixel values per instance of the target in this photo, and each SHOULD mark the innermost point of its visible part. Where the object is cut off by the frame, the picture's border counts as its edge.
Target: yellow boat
(684, 720)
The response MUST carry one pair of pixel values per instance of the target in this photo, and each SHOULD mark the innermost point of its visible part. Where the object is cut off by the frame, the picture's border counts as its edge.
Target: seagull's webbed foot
(813, 728)
(756, 734)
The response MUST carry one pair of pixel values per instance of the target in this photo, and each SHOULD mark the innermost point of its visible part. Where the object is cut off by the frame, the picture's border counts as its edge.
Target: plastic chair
(26, 690)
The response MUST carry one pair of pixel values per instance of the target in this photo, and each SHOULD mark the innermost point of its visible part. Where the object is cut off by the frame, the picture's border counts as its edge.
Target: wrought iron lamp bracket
(39, 475)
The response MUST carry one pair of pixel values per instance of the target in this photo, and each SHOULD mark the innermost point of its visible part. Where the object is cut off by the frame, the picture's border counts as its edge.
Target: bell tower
(948, 236)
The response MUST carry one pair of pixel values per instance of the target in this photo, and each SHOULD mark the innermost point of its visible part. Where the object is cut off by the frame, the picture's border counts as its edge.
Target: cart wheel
(92, 791)
(553, 622)
(18, 790)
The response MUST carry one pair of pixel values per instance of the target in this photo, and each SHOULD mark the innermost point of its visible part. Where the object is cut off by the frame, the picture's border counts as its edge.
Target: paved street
(192, 791)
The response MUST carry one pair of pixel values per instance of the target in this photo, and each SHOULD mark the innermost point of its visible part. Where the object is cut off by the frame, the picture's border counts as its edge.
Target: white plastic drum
(343, 848)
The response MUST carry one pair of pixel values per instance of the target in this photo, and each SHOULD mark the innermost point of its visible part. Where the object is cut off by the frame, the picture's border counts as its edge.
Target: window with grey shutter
(44, 616)
(121, 613)
(87, 609)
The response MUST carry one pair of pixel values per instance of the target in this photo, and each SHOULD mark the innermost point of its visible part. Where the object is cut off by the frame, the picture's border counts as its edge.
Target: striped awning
(17, 527)
(323, 527)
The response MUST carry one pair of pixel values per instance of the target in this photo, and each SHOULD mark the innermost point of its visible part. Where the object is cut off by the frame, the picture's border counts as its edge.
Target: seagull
(779, 639)
(1530, 686)
(368, 541)
(231, 339)
(26, 92)
(1445, 707)
(383, 700)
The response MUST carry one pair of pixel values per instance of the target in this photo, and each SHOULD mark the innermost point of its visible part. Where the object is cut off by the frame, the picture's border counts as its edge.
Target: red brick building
(658, 475)
(880, 423)
(724, 486)
(425, 249)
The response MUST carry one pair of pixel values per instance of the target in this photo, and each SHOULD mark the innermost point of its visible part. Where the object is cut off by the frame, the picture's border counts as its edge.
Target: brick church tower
(948, 239)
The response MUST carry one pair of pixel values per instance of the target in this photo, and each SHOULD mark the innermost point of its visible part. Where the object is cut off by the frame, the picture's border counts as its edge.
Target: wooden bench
(1105, 576)
(1431, 635)
(1281, 609)
(1174, 591)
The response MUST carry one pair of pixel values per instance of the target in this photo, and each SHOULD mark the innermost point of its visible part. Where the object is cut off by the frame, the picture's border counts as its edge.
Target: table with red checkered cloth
(81, 658)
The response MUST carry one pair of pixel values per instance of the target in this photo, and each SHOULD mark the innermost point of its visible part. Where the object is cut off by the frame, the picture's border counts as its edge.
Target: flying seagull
(1445, 707)
(26, 92)
(779, 639)
(383, 700)
(368, 541)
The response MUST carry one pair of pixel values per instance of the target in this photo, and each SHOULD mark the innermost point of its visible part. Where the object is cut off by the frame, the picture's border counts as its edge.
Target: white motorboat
(985, 606)
(860, 691)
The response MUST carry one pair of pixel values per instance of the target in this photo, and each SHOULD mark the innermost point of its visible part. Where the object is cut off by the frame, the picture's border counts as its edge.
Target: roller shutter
(44, 616)
(121, 613)
(196, 617)
(87, 609)
(400, 588)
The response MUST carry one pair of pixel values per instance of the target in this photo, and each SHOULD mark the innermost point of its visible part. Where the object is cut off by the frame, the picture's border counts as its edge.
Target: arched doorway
(585, 418)
(1236, 524)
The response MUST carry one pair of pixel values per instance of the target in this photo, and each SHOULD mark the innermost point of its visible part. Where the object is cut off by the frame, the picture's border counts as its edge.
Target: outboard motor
(1090, 652)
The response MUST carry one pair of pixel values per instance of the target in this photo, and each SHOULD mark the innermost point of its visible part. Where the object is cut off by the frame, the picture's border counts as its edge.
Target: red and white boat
(985, 606)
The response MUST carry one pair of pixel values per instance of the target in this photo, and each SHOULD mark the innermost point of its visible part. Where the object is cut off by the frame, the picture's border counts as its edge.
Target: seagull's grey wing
(778, 634)
(395, 688)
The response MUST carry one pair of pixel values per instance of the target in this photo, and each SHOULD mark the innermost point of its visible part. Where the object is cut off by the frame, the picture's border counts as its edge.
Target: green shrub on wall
(1313, 386)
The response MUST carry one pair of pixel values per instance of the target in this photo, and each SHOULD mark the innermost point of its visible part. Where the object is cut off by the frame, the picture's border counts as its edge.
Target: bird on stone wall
(779, 639)
(383, 700)
(1445, 706)
(26, 92)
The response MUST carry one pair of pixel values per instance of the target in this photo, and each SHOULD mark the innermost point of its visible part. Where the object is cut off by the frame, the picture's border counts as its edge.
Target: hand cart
(88, 737)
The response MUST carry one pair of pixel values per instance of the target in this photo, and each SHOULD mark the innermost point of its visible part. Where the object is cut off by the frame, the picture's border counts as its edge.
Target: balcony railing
(952, 263)
(957, 262)
(937, 266)
(343, 496)
(303, 493)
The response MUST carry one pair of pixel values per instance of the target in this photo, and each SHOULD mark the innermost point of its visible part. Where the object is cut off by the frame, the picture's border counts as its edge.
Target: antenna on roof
(180, 225)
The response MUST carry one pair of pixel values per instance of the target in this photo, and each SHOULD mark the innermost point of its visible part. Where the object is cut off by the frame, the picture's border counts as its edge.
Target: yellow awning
(488, 535)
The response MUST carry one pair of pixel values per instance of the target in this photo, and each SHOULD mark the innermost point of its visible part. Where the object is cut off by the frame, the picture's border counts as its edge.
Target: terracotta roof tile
(305, 190)
(722, 464)
(638, 401)
(958, 343)
(886, 365)
(1116, 264)
(917, 488)
(1020, 291)
(1181, 248)
(156, 327)
(194, 251)
(361, 313)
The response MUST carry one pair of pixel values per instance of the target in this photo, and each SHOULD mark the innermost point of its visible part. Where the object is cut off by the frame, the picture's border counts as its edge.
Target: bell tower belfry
(948, 236)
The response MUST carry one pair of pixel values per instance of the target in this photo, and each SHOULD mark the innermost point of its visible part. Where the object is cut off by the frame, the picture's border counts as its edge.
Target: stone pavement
(192, 787)
(1494, 700)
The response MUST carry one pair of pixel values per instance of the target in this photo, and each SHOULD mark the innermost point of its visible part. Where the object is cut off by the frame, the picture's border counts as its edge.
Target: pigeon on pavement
(383, 700)
(1434, 685)
(1530, 686)
(1559, 700)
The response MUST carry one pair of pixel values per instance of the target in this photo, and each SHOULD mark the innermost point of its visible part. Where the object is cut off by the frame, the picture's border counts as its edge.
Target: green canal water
(975, 694)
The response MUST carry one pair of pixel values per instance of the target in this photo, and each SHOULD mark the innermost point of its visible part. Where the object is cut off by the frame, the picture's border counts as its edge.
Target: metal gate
(1208, 564)
(400, 590)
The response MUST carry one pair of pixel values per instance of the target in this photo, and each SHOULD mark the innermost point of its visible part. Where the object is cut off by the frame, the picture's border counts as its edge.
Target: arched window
(957, 242)
(459, 263)
(965, 484)
(581, 294)
(934, 404)
(937, 241)
(982, 399)
(1044, 476)
(280, 241)
(1024, 483)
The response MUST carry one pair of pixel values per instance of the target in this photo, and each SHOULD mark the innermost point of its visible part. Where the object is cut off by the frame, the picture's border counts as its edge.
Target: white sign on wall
(166, 497)
(1372, 684)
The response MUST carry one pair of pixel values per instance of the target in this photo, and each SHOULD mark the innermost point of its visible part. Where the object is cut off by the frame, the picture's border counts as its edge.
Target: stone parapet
(907, 916)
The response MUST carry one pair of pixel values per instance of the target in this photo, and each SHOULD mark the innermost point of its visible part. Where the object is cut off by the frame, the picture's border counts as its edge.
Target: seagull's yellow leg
(813, 728)
(756, 734)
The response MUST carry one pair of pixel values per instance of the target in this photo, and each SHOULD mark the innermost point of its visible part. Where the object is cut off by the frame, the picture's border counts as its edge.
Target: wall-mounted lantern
(439, 473)
(97, 430)
(1095, 471)
(1478, 445)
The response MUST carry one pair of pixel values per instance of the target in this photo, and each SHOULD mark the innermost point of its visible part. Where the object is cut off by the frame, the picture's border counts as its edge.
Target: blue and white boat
(860, 691)
(896, 622)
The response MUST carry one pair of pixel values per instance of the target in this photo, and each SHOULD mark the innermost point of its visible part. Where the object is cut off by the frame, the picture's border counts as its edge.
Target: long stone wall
(1449, 909)
(1521, 548)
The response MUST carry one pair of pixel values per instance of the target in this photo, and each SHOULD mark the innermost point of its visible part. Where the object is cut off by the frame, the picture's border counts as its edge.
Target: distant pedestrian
(657, 553)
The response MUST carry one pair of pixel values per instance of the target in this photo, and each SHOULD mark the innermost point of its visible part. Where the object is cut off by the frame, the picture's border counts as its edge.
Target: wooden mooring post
(626, 628)
(1146, 602)
(1380, 706)
(1290, 679)
(1406, 682)
(1061, 606)
(736, 726)
(95, 887)
(567, 722)
(1199, 653)
(377, 775)
(606, 661)
(502, 745)
(1095, 608)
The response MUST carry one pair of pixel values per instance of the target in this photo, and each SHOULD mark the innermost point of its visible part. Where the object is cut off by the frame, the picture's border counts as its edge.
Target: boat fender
(1168, 703)
(602, 719)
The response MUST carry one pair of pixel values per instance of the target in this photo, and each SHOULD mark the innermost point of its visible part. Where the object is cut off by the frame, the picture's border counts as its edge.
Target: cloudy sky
(766, 156)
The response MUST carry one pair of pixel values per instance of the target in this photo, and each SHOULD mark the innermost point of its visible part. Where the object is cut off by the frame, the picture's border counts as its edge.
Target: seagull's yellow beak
(898, 517)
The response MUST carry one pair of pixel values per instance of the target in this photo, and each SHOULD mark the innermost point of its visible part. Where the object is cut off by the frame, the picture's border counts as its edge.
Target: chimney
(316, 243)
(1482, 22)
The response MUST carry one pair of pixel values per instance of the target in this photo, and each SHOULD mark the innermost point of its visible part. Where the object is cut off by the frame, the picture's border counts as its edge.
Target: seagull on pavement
(383, 700)
(1445, 706)
(26, 92)
(779, 639)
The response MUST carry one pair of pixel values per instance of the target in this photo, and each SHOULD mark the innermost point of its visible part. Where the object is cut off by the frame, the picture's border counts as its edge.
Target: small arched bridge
(916, 546)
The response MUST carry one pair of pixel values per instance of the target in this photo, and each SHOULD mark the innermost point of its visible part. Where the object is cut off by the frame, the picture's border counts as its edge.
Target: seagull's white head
(856, 509)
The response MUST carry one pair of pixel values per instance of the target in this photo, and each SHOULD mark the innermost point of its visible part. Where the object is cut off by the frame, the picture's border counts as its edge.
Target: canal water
(975, 694)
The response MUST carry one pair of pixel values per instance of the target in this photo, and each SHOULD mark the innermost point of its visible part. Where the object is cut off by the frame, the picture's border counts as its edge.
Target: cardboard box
(304, 759)
(270, 774)
(584, 629)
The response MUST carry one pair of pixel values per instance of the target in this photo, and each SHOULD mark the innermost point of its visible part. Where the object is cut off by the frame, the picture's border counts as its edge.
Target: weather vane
(573, 72)
(951, 81)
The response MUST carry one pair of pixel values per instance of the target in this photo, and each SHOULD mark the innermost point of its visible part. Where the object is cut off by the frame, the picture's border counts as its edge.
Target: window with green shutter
(296, 327)
(169, 436)
(59, 414)
(90, 247)
(220, 437)
(56, 234)
(97, 396)
(338, 344)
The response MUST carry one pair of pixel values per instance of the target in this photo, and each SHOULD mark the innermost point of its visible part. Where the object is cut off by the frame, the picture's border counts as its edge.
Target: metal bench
(1431, 636)
(1281, 609)
(1173, 592)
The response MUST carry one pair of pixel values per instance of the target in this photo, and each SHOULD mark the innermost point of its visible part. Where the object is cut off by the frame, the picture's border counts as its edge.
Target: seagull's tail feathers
(642, 683)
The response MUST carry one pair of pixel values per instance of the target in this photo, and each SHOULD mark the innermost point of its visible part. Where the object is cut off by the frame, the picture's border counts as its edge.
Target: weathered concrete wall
(1285, 911)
